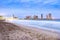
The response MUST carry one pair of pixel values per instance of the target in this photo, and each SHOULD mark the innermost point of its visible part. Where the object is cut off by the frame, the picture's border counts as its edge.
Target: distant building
(28, 17)
(41, 16)
(14, 17)
(35, 17)
(49, 16)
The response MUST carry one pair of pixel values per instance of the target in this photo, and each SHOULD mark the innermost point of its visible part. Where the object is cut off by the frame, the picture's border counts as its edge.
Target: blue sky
(21, 8)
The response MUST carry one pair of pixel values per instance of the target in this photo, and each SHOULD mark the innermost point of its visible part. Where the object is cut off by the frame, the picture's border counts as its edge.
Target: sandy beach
(10, 31)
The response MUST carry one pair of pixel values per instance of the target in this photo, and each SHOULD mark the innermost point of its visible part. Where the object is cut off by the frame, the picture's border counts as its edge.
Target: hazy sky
(21, 8)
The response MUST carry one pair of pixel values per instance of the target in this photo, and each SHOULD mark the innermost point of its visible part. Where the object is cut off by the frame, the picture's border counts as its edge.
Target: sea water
(53, 25)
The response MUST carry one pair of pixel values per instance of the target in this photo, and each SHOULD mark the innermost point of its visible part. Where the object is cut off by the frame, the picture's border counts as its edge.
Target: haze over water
(42, 24)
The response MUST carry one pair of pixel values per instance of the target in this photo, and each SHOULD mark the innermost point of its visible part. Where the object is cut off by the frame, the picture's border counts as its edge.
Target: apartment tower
(41, 16)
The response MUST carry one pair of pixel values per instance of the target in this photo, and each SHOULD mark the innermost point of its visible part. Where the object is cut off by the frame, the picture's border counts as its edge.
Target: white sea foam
(47, 25)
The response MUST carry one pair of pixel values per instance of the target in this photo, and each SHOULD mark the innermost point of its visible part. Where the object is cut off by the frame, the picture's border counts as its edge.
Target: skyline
(22, 8)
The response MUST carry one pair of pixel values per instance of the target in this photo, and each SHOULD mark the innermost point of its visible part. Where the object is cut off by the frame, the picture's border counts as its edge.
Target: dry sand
(9, 31)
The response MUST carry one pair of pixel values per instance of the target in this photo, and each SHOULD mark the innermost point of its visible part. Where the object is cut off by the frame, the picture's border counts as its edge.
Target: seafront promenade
(10, 31)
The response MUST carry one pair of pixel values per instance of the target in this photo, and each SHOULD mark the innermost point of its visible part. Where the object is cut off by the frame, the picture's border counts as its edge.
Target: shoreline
(42, 30)
(23, 31)
(31, 27)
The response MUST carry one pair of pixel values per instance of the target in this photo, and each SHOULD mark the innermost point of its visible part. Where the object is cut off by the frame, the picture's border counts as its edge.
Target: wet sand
(10, 31)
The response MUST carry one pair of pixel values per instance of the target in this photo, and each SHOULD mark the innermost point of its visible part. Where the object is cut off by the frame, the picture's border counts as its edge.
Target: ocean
(52, 25)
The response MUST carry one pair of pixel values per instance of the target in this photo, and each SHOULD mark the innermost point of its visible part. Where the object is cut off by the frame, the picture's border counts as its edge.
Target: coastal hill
(10, 31)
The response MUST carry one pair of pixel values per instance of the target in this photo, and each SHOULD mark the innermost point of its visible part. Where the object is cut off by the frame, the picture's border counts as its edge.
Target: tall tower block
(41, 16)
(50, 16)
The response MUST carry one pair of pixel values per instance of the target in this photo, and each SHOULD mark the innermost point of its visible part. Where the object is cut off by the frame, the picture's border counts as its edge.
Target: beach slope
(10, 31)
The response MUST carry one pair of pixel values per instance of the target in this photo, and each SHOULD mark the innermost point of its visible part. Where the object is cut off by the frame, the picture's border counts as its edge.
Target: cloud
(50, 1)
(43, 2)
(30, 3)
(39, 1)
(34, 1)
(30, 7)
